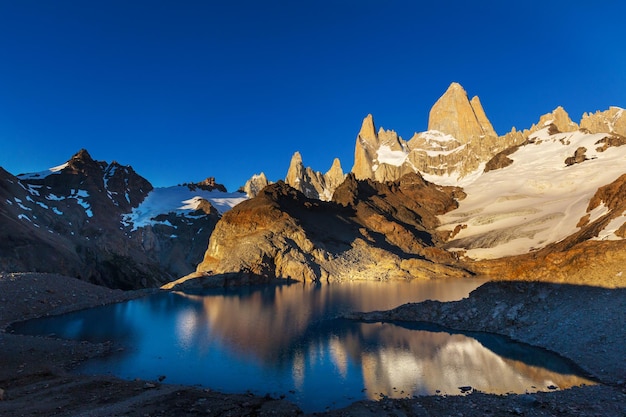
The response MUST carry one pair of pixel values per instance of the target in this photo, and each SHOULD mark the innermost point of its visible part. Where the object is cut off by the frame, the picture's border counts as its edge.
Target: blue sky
(182, 90)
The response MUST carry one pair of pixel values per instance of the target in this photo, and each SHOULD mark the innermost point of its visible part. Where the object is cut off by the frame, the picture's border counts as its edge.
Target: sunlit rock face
(369, 231)
(612, 120)
(459, 141)
(558, 118)
(311, 183)
(454, 114)
(255, 184)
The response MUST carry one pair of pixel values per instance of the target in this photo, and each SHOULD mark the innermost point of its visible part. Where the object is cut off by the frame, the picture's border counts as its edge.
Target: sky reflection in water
(286, 340)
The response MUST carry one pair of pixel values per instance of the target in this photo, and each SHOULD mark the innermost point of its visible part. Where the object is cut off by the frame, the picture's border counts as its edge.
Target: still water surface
(287, 340)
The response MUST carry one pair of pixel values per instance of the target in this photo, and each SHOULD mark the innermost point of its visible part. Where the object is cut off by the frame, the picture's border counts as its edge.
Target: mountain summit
(454, 114)
(459, 141)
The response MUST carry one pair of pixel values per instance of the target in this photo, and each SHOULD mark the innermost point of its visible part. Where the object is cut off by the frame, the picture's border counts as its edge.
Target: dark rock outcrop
(68, 220)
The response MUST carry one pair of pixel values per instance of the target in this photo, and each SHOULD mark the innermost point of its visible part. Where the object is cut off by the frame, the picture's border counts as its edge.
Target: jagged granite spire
(365, 150)
(255, 184)
(455, 115)
(311, 183)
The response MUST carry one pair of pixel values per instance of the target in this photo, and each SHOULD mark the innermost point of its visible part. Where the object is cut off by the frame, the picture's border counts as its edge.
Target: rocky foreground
(585, 324)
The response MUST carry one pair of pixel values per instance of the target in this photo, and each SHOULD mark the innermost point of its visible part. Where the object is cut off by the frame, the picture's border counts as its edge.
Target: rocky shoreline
(584, 324)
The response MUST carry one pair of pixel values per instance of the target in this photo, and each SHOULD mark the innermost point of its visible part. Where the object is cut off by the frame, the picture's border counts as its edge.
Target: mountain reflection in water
(286, 340)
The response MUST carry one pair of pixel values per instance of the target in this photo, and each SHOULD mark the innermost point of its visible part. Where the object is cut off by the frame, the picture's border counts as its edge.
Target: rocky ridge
(459, 141)
(612, 120)
(540, 209)
(255, 184)
(369, 230)
(104, 223)
(311, 183)
(459, 144)
(77, 219)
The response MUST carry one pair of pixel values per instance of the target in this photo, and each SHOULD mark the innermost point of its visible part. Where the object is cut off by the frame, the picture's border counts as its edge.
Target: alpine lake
(290, 341)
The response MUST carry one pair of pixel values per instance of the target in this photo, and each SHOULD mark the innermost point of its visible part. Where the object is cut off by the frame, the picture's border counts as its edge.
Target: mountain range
(457, 200)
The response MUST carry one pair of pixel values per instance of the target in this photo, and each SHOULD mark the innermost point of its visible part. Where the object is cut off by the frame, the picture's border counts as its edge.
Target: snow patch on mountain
(180, 200)
(386, 155)
(436, 137)
(455, 179)
(80, 196)
(608, 233)
(537, 200)
(42, 174)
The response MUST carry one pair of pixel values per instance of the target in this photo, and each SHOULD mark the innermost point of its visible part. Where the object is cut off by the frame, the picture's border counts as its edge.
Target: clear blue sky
(182, 90)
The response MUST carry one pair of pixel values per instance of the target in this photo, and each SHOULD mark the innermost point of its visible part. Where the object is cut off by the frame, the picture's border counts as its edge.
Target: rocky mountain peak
(334, 177)
(208, 184)
(367, 134)
(296, 170)
(335, 169)
(365, 149)
(83, 164)
(82, 155)
(460, 139)
(612, 120)
(559, 118)
(255, 184)
(455, 115)
(314, 184)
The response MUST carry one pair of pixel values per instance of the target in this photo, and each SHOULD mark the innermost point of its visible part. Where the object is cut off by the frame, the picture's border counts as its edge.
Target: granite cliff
(314, 184)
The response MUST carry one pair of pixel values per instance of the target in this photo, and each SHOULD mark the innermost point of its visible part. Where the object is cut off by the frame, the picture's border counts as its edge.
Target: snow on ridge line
(42, 174)
(178, 199)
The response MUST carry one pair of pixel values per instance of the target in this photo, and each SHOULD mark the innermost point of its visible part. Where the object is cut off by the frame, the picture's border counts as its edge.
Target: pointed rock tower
(455, 115)
(559, 118)
(311, 183)
(255, 184)
(334, 177)
(365, 149)
(612, 120)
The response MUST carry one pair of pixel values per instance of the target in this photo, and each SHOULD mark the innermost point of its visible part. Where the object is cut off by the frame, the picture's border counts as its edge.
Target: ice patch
(437, 137)
(23, 207)
(79, 195)
(598, 212)
(387, 156)
(442, 153)
(53, 197)
(608, 233)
